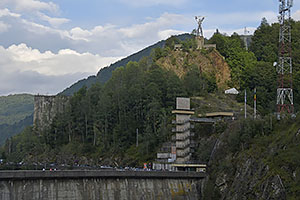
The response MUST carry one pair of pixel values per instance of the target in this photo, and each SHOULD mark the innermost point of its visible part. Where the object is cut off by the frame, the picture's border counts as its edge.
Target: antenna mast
(284, 67)
(246, 32)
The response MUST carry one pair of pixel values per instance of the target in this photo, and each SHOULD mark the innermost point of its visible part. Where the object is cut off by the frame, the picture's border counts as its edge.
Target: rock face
(211, 62)
(251, 181)
(246, 173)
(241, 176)
(46, 108)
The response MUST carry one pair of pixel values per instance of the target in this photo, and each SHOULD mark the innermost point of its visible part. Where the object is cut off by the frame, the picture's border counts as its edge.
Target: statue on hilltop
(200, 20)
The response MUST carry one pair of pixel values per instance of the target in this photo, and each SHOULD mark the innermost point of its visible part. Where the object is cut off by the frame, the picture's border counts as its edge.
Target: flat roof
(217, 114)
(185, 112)
(189, 165)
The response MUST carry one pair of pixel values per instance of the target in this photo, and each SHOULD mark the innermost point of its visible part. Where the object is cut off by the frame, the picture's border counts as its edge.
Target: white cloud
(296, 15)
(48, 63)
(37, 44)
(53, 21)
(79, 34)
(238, 18)
(152, 28)
(40, 52)
(107, 40)
(35, 83)
(30, 5)
(165, 34)
(7, 12)
(270, 16)
(24, 69)
(32, 28)
(3, 27)
(147, 3)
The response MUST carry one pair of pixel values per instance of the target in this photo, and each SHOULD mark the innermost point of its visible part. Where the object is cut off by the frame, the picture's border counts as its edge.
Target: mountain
(246, 158)
(16, 113)
(101, 121)
(104, 74)
(14, 108)
(10, 130)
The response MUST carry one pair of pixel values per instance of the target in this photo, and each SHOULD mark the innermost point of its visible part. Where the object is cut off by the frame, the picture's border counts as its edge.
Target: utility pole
(137, 137)
(245, 104)
(254, 103)
(285, 97)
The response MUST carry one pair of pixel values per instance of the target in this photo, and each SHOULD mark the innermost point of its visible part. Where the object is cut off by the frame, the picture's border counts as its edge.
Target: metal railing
(180, 130)
(182, 136)
(179, 122)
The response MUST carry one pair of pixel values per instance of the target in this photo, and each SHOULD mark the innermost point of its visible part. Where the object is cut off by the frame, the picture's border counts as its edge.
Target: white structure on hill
(232, 91)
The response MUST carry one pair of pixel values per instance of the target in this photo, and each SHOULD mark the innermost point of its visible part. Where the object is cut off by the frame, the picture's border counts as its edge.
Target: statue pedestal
(200, 42)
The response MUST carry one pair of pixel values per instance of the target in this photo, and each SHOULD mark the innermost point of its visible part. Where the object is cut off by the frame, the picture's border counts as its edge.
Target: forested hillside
(101, 122)
(255, 68)
(255, 159)
(14, 108)
(9, 130)
(16, 113)
(105, 74)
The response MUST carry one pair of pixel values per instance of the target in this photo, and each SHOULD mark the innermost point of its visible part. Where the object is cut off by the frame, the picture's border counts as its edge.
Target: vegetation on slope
(14, 108)
(101, 122)
(16, 113)
(105, 74)
(208, 62)
(255, 68)
(9, 130)
(255, 158)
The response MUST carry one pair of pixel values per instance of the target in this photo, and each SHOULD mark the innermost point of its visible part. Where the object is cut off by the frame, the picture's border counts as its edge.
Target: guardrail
(70, 174)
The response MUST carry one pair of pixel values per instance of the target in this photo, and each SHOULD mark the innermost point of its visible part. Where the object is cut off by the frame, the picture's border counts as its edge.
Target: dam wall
(94, 185)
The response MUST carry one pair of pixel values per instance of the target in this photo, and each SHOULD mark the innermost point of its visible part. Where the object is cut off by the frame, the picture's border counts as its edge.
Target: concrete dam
(98, 185)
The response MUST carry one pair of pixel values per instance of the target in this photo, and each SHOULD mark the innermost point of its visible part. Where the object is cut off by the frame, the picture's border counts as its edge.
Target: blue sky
(45, 46)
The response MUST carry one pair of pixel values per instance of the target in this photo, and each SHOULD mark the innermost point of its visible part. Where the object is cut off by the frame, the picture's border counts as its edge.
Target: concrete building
(180, 151)
(201, 44)
(182, 129)
(165, 157)
(178, 47)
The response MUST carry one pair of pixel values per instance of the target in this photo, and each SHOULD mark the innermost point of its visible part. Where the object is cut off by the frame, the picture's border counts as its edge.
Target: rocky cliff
(247, 158)
(253, 159)
(46, 108)
(208, 61)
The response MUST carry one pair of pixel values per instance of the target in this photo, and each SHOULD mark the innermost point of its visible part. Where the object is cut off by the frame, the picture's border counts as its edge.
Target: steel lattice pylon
(285, 97)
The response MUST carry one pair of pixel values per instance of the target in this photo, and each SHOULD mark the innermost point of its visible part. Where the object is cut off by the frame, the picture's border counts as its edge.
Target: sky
(46, 46)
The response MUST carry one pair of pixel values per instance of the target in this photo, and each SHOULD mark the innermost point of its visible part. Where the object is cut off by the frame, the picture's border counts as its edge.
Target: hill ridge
(105, 73)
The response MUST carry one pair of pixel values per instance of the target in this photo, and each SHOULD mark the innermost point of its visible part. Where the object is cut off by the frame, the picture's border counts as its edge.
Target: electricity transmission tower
(285, 97)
